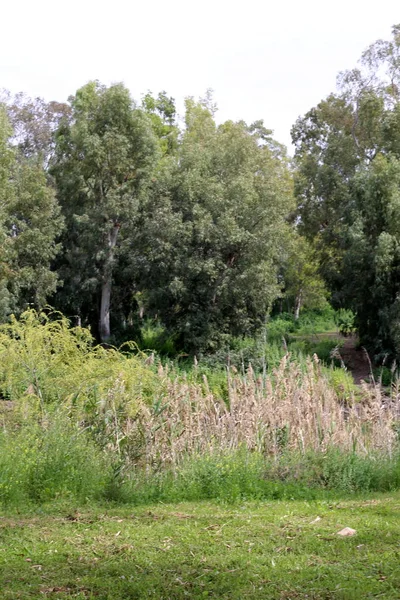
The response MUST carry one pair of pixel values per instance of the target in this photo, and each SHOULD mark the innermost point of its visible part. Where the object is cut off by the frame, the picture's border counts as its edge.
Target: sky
(262, 59)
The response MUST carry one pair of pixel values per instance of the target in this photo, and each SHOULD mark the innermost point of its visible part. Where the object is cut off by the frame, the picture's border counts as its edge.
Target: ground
(265, 550)
(356, 359)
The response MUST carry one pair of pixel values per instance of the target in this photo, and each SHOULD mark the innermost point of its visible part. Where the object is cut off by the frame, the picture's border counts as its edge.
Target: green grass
(237, 476)
(273, 550)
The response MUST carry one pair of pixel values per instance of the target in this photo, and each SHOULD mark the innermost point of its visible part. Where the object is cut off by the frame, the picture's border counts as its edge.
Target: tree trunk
(104, 321)
(297, 306)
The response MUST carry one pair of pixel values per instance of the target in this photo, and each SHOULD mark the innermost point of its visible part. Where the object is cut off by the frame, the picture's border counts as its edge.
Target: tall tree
(103, 162)
(347, 151)
(30, 223)
(303, 284)
(215, 230)
(34, 122)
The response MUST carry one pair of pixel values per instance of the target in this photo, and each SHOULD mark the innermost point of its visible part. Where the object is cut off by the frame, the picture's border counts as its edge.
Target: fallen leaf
(315, 520)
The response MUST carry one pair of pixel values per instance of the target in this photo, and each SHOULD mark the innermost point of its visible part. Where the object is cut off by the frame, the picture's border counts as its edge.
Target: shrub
(342, 382)
(345, 321)
(155, 338)
(54, 459)
(41, 355)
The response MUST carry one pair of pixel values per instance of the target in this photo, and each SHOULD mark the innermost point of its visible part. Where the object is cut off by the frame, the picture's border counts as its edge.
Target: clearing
(266, 550)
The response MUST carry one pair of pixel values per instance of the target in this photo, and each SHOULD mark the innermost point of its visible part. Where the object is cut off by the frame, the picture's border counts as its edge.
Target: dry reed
(294, 408)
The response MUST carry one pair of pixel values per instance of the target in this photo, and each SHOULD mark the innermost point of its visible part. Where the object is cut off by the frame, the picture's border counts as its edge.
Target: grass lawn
(205, 550)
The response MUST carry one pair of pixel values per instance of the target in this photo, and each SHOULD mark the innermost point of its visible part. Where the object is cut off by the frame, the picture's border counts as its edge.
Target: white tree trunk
(104, 321)
(297, 305)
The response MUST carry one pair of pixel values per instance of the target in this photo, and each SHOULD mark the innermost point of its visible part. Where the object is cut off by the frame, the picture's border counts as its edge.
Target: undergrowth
(83, 422)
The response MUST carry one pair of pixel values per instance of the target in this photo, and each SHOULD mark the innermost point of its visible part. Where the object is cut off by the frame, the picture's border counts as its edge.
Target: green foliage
(29, 225)
(56, 459)
(347, 187)
(281, 334)
(75, 406)
(344, 472)
(303, 284)
(353, 473)
(52, 460)
(215, 233)
(342, 382)
(34, 122)
(104, 158)
(226, 477)
(316, 321)
(280, 327)
(242, 475)
(386, 376)
(345, 321)
(43, 357)
(162, 112)
(155, 337)
(322, 347)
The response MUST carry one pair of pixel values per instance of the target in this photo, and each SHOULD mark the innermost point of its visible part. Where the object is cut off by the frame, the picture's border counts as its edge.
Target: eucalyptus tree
(30, 223)
(33, 122)
(347, 152)
(103, 162)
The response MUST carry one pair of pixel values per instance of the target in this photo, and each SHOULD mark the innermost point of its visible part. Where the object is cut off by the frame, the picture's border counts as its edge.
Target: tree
(103, 162)
(30, 222)
(162, 112)
(347, 152)
(303, 285)
(34, 122)
(214, 224)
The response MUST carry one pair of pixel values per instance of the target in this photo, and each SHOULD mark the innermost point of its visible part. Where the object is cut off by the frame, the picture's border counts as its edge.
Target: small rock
(347, 531)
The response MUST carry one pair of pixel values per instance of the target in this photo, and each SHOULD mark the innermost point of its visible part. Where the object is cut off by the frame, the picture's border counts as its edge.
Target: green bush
(154, 338)
(42, 356)
(316, 321)
(345, 321)
(385, 376)
(279, 328)
(42, 462)
(342, 382)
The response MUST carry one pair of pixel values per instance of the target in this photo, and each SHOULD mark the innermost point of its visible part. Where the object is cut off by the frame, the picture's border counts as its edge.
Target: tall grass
(293, 409)
(84, 422)
(52, 458)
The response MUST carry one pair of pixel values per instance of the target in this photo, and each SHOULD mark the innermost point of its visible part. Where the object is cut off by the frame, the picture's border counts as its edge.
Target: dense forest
(116, 212)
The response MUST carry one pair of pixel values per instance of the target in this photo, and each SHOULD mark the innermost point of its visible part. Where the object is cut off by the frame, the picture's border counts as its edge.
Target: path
(355, 359)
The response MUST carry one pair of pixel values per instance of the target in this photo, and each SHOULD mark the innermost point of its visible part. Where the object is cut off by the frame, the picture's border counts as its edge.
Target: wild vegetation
(82, 421)
(224, 326)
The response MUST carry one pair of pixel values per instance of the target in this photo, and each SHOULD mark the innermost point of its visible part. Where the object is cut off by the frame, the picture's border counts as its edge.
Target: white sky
(264, 59)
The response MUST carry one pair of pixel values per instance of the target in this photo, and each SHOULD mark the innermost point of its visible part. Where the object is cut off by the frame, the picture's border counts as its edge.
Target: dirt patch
(356, 359)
